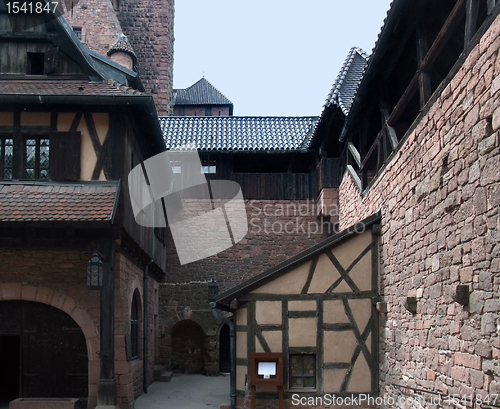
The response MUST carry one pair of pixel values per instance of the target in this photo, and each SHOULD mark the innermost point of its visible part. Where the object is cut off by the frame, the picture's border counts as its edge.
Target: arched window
(134, 328)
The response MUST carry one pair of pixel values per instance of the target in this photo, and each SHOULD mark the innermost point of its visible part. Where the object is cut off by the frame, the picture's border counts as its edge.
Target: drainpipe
(145, 329)
(232, 344)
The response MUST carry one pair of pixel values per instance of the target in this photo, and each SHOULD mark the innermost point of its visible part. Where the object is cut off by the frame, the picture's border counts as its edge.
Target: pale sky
(271, 57)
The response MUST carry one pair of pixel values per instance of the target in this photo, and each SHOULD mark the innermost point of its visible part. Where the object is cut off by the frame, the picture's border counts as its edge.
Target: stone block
(44, 403)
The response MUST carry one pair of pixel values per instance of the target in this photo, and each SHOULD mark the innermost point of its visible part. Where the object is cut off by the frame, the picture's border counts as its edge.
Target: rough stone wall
(98, 21)
(277, 230)
(149, 26)
(440, 198)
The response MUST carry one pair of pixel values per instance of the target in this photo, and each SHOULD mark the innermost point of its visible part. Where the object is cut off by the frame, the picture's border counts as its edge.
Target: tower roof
(200, 93)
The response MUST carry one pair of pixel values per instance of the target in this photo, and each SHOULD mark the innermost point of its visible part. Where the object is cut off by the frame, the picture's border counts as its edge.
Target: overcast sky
(271, 57)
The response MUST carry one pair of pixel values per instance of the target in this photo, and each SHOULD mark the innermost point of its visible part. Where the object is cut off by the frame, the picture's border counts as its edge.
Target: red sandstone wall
(149, 26)
(440, 198)
(98, 21)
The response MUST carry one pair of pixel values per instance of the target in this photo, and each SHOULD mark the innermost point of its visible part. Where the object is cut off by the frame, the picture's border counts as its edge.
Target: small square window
(78, 32)
(35, 63)
(302, 371)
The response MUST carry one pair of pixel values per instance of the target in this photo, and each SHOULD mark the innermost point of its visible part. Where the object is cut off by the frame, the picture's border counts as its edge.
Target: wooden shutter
(50, 61)
(65, 155)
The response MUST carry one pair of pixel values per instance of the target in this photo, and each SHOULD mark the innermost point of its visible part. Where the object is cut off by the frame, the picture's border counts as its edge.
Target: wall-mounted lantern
(411, 304)
(461, 294)
(95, 273)
(213, 290)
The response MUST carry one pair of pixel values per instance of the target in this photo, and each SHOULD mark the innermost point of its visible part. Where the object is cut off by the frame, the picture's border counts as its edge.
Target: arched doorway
(224, 349)
(188, 347)
(46, 350)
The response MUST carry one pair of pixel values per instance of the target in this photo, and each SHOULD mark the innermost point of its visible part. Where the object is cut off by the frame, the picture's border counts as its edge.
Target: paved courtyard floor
(186, 392)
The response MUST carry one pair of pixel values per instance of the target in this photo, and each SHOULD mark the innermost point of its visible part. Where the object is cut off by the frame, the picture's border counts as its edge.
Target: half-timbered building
(72, 126)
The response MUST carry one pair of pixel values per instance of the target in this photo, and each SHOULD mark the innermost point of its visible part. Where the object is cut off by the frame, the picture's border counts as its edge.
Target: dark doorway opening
(224, 349)
(48, 357)
(9, 368)
(188, 347)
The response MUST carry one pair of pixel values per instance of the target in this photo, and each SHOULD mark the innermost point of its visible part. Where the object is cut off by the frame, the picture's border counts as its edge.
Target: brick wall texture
(149, 26)
(440, 197)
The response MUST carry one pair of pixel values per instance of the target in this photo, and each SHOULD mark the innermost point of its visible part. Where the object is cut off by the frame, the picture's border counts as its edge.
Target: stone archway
(66, 304)
(188, 347)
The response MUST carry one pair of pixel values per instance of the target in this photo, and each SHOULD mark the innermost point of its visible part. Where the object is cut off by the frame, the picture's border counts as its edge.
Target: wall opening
(10, 362)
(52, 357)
(224, 350)
(188, 347)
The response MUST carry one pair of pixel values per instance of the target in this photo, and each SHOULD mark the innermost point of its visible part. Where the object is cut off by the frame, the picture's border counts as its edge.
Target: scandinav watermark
(295, 218)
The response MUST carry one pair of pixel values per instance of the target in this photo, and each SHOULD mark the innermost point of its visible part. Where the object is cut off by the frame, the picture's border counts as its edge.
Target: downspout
(232, 346)
(145, 329)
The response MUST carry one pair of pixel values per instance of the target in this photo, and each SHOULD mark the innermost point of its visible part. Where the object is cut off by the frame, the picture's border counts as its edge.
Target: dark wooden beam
(404, 100)
(471, 12)
(444, 35)
(424, 79)
(354, 152)
(391, 133)
(490, 5)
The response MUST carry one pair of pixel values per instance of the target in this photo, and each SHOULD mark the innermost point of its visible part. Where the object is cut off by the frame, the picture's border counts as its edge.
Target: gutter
(232, 346)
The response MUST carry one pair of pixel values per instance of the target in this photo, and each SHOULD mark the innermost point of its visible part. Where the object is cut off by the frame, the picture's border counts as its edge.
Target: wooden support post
(424, 79)
(490, 5)
(106, 388)
(471, 11)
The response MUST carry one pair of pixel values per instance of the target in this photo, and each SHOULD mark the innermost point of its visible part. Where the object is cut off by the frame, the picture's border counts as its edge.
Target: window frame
(134, 328)
(38, 165)
(3, 140)
(314, 376)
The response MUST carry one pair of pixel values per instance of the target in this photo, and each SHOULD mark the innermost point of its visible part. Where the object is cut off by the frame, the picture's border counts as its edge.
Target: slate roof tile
(21, 203)
(347, 81)
(237, 132)
(201, 92)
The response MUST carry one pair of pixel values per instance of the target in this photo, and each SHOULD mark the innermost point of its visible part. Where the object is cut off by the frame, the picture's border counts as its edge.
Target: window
(35, 64)
(78, 32)
(303, 371)
(182, 111)
(6, 158)
(36, 158)
(134, 328)
(176, 166)
(208, 165)
(208, 111)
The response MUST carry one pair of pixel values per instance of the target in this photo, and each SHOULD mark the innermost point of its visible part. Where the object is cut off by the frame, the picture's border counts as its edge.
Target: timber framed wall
(319, 311)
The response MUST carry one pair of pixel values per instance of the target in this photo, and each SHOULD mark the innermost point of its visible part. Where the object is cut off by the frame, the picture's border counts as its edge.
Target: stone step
(159, 369)
(166, 376)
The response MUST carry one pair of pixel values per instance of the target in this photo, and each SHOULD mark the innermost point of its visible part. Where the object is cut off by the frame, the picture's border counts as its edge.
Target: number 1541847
(31, 7)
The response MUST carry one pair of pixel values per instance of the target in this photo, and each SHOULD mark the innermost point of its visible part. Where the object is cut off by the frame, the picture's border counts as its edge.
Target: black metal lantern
(213, 290)
(95, 273)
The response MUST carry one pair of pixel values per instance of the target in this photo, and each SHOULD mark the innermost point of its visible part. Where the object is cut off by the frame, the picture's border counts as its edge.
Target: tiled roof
(237, 132)
(123, 45)
(345, 86)
(65, 87)
(44, 202)
(200, 93)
